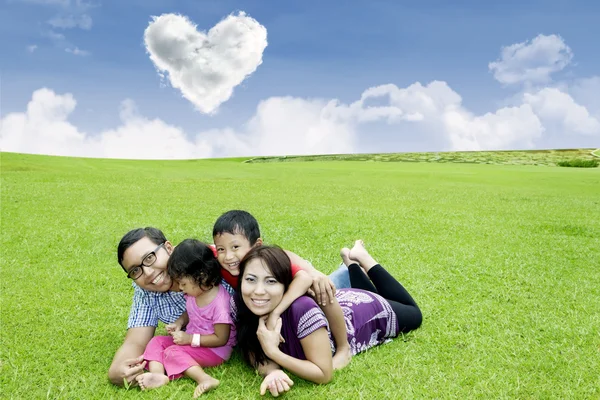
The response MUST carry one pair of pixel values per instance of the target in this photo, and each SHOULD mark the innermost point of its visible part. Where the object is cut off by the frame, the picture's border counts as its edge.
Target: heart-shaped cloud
(205, 67)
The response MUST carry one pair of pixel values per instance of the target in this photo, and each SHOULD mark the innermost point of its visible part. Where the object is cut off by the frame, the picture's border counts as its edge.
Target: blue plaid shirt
(150, 307)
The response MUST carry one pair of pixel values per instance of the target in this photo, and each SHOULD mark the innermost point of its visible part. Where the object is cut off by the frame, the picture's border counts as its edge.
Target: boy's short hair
(238, 222)
(155, 235)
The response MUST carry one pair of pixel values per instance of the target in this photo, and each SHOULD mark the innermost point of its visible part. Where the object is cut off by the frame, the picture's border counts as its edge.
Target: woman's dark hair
(280, 266)
(194, 259)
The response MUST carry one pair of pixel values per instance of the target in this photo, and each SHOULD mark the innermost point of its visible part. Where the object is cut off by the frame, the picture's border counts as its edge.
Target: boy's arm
(322, 286)
(128, 362)
(335, 316)
(299, 261)
(300, 284)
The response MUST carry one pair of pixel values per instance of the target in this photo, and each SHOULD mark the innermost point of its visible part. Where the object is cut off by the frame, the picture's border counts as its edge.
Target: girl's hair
(275, 259)
(194, 259)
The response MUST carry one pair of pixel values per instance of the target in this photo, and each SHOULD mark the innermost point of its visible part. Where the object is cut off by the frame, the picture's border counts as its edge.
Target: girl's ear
(258, 243)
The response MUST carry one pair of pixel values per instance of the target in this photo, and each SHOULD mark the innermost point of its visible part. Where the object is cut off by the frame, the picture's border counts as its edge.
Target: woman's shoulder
(303, 303)
(302, 306)
(305, 316)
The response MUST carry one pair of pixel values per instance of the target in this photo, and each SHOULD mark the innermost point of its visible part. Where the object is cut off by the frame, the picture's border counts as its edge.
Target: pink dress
(175, 358)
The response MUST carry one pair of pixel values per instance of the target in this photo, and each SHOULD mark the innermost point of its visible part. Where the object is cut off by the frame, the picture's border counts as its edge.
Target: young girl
(210, 333)
(375, 309)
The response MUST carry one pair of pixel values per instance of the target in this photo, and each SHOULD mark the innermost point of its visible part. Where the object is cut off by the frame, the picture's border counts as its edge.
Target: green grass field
(502, 259)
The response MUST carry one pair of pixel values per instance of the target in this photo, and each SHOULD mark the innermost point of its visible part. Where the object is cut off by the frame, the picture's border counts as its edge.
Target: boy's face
(231, 249)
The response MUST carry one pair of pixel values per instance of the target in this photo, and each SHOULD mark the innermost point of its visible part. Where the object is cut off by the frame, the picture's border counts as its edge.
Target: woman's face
(261, 292)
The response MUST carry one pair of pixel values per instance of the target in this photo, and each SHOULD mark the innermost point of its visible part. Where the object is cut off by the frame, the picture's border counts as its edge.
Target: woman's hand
(269, 339)
(277, 382)
(181, 338)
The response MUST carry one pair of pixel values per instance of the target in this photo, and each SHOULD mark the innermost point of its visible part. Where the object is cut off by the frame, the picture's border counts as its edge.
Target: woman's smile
(261, 292)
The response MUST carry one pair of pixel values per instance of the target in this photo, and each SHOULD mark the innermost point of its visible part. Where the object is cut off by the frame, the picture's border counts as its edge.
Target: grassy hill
(511, 157)
(502, 259)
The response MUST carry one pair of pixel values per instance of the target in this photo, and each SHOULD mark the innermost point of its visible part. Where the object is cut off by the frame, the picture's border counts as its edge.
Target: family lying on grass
(241, 291)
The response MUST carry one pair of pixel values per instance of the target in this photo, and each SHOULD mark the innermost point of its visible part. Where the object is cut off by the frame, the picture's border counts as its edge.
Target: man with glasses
(143, 254)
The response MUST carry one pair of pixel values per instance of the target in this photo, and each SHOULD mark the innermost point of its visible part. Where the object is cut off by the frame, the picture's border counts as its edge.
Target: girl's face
(261, 292)
(188, 286)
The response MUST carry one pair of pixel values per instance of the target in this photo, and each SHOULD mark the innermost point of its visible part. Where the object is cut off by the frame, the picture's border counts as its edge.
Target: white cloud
(507, 128)
(55, 37)
(586, 92)
(140, 137)
(557, 107)
(44, 129)
(77, 51)
(287, 125)
(83, 21)
(532, 61)
(281, 126)
(32, 48)
(437, 110)
(205, 67)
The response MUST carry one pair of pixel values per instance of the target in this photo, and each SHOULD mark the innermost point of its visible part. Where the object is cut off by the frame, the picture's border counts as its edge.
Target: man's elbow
(114, 376)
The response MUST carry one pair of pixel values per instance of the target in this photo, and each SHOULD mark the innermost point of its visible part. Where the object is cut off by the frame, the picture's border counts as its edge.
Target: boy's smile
(231, 249)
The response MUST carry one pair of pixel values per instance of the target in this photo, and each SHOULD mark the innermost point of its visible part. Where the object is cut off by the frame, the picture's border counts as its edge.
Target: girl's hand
(172, 328)
(269, 339)
(277, 382)
(182, 338)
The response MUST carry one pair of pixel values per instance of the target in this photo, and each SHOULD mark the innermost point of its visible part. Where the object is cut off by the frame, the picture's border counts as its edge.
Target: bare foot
(362, 256)
(342, 358)
(206, 385)
(150, 380)
(345, 254)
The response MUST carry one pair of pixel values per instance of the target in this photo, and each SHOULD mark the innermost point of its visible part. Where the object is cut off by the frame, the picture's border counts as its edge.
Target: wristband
(196, 340)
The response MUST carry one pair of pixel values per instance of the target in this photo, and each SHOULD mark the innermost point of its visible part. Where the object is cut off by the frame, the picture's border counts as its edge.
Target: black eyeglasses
(150, 258)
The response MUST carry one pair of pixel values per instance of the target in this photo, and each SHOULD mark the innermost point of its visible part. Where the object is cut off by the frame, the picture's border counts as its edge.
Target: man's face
(155, 277)
(231, 249)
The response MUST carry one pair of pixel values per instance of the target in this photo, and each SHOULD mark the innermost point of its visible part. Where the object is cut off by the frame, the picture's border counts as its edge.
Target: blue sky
(317, 52)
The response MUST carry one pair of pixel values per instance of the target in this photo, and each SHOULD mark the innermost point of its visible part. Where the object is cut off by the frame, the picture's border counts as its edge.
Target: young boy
(236, 232)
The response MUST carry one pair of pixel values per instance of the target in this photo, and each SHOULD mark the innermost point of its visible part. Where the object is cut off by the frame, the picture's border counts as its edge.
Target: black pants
(381, 282)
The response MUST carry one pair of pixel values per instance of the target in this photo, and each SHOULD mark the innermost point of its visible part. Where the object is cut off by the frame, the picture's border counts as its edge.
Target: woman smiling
(376, 309)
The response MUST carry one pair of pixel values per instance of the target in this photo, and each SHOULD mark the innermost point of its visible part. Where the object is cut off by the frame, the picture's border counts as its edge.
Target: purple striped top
(369, 319)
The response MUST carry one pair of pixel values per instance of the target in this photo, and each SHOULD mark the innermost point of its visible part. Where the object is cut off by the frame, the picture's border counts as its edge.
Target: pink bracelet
(196, 340)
